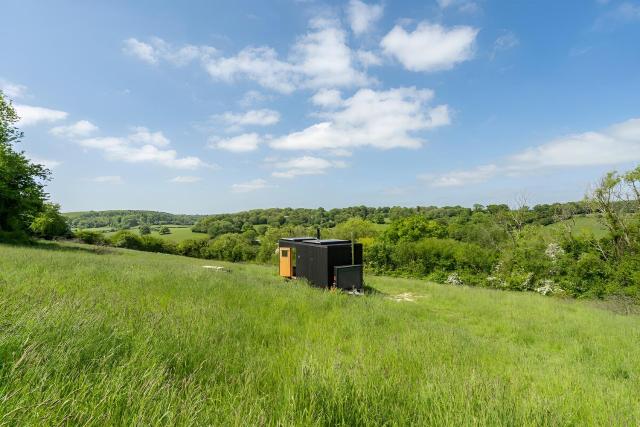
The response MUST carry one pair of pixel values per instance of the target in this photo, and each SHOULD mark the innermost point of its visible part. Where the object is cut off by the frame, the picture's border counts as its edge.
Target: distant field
(583, 225)
(103, 336)
(178, 233)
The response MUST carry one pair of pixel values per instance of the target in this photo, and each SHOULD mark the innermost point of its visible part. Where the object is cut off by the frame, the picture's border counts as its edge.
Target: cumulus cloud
(185, 179)
(430, 47)
(327, 98)
(318, 59)
(108, 179)
(264, 117)
(382, 119)
(141, 146)
(306, 165)
(467, 6)
(142, 135)
(462, 177)
(615, 145)
(253, 185)
(12, 90)
(30, 115)
(79, 129)
(237, 144)
(157, 50)
(363, 16)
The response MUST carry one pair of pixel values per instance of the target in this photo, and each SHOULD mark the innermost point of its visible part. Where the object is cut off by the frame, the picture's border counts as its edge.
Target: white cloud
(79, 129)
(108, 179)
(319, 59)
(324, 58)
(466, 6)
(142, 135)
(507, 40)
(252, 97)
(382, 119)
(264, 117)
(327, 98)
(260, 64)
(306, 165)
(430, 47)
(363, 16)
(618, 144)
(185, 179)
(128, 149)
(368, 58)
(157, 49)
(30, 115)
(246, 187)
(238, 144)
(12, 90)
(462, 177)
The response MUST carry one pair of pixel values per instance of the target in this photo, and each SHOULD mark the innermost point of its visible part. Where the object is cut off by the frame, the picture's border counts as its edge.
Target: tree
(22, 194)
(355, 228)
(144, 230)
(50, 223)
(164, 230)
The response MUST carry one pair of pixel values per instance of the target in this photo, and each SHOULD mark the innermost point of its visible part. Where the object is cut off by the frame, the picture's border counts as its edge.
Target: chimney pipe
(318, 233)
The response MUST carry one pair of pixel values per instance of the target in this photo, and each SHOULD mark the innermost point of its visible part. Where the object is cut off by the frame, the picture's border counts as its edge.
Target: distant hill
(127, 218)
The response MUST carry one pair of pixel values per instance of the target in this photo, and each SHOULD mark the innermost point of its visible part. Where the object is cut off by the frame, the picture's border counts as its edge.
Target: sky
(217, 106)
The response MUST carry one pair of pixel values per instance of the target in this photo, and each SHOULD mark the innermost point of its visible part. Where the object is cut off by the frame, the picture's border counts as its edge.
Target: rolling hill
(94, 336)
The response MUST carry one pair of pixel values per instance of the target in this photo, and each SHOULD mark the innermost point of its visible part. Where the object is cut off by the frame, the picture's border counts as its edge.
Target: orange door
(286, 266)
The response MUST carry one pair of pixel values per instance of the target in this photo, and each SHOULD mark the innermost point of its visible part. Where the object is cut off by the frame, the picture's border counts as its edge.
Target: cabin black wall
(310, 264)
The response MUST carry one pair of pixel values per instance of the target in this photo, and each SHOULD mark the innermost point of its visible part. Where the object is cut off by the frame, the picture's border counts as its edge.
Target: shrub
(193, 248)
(126, 239)
(50, 223)
(164, 230)
(144, 230)
(90, 237)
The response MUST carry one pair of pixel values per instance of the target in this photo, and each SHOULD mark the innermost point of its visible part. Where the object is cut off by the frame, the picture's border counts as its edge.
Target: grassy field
(582, 225)
(178, 233)
(97, 336)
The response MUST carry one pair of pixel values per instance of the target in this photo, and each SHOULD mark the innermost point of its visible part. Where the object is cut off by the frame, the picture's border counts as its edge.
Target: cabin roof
(316, 242)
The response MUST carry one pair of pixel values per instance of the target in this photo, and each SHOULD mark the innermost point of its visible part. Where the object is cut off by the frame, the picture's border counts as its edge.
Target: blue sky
(206, 106)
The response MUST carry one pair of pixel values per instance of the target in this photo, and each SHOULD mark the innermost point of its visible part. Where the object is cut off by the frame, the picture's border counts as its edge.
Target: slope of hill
(98, 336)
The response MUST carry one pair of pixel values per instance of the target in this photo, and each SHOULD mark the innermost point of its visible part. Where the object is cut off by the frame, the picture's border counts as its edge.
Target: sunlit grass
(105, 336)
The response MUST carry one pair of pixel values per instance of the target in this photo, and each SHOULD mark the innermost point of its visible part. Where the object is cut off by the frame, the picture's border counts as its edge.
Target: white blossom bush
(454, 279)
(554, 251)
(549, 287)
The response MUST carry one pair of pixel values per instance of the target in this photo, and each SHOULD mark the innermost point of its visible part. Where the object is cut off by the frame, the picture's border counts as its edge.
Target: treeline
(125, 219)
(261, 219)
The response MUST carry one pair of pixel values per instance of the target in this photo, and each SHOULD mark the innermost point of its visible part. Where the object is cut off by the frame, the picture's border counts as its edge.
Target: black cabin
(324, 263)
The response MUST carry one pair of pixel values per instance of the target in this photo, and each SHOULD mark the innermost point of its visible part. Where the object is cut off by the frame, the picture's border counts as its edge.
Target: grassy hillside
(587, 224)
(178, 233)
(103, 336)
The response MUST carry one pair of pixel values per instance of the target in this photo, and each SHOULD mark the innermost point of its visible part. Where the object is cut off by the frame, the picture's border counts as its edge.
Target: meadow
(103, 336)
(178, 233)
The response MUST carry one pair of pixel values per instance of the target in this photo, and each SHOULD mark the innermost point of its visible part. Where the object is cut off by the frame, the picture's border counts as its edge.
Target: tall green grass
(99, 336)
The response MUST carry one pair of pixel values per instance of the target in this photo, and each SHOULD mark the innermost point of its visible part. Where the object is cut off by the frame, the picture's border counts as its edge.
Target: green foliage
(50, 223)
(218, 228)
(163, 230)
(144, 230)
(231, 247)
(90, 237)
(414, 228)
(354, 228)
(22, 194)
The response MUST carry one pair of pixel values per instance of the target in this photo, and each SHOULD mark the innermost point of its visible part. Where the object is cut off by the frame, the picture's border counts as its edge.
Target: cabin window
(285, 253)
